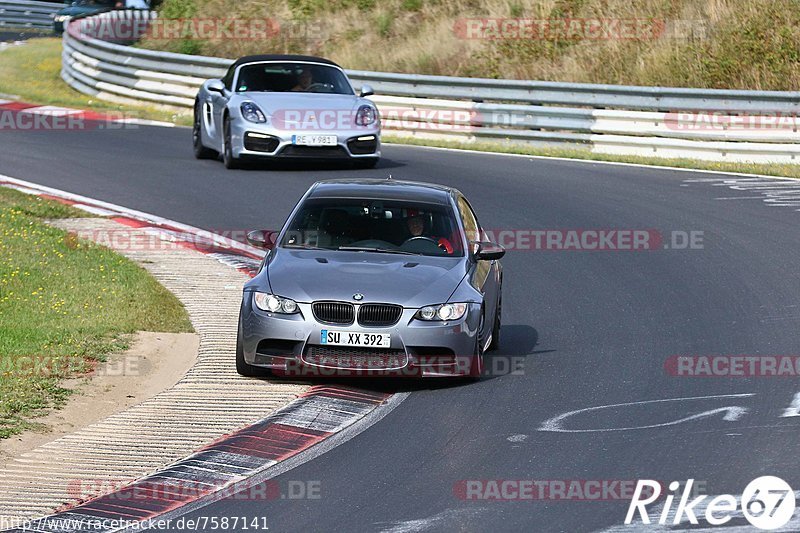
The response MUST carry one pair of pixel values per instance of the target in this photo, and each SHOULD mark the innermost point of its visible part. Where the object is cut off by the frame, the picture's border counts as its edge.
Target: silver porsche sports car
(285, 106)
(373, 277)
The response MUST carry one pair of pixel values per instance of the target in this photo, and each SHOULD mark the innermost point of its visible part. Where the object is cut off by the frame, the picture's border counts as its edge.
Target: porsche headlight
(275, 304)
(366, 115)
(442, 312)
(252, 113)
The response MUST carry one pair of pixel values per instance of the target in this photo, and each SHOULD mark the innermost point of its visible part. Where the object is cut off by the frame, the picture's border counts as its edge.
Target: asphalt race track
(587, 329)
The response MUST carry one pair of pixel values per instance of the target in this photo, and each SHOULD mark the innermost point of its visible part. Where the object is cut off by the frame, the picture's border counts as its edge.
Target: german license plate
(314, 140)
(333, 337)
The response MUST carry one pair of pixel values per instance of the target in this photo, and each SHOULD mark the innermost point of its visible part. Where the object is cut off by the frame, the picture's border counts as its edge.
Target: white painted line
(595, 162)
(94, 210)
(740, 198)
(144, 122)
(442, 521)
(732, 413)
(794, 409)
(52, 111)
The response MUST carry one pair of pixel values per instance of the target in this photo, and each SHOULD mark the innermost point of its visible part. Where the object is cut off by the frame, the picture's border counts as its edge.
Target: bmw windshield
(371, 225)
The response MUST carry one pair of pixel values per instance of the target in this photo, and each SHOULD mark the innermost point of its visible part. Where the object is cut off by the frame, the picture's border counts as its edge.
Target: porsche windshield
(292, 77)
(385, 226)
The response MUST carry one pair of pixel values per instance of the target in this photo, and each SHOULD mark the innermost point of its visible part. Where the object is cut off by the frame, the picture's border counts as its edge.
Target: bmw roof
(385, 189)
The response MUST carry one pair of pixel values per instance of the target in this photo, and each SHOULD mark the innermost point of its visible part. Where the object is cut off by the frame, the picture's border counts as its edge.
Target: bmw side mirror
(262, 238)
(367, 90)
(489, 251)
(216, 86)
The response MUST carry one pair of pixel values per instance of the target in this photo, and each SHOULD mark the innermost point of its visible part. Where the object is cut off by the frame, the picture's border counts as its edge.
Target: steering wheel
(314, 87)
(419, 238)
(443, 244)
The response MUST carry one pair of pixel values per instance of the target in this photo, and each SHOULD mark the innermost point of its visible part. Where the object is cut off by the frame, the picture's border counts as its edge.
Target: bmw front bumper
(291, 345)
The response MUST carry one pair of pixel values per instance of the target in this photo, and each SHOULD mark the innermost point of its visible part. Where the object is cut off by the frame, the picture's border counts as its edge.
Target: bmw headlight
(252, 113)
(442, 312)
(366, 115)
(275, 304)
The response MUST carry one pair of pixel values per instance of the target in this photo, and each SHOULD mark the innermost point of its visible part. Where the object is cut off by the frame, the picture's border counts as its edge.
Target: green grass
(32, 73)
(734, 44)
(771, 169)
(64, 305)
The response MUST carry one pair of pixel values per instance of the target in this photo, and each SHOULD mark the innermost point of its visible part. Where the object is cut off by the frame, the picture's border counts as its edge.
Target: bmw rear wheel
(495, 344)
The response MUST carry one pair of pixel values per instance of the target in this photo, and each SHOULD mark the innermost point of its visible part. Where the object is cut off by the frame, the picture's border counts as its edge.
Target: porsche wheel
(200, 151)
(228, 158)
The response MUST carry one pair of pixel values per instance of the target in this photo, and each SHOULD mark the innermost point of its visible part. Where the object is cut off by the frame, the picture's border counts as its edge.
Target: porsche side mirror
(216, 86)
(489, 251)
(262, 238)
(367, 90)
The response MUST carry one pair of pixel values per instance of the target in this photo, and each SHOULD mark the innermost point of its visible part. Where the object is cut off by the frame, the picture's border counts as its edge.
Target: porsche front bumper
(251, 140)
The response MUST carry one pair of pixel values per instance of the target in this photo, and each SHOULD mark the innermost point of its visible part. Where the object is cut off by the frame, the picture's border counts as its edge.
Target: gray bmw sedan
(373, 277)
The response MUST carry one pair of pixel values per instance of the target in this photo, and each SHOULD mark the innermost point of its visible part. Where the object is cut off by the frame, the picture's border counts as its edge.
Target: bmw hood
(407, 280)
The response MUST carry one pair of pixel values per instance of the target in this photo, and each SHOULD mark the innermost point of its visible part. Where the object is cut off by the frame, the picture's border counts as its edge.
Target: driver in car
(304, 81)
(416, 227)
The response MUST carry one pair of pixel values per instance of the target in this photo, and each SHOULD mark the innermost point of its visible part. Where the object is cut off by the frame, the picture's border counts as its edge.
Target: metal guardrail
(27, 14)
(655, 121)
(581, 94)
